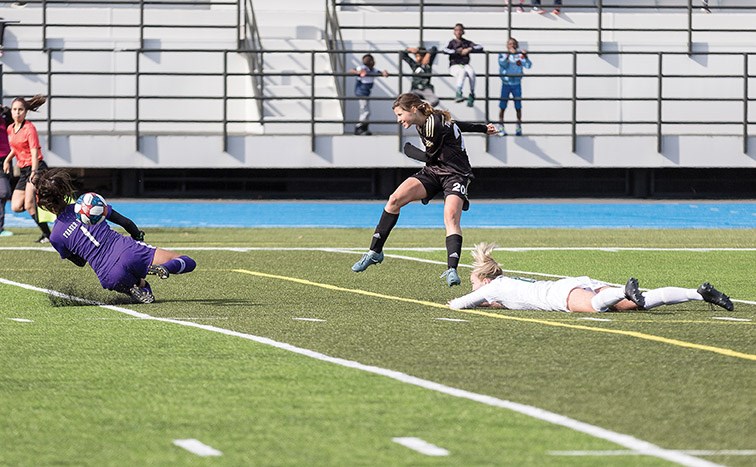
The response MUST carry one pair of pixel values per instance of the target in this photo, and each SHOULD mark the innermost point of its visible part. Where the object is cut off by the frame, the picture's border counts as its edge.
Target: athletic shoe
(633, 293)
(471, 100)
(142, 294)
(459, 97)
(43, 239)
(538, 10)
(518, 130)
(502, 131)
(158, 270)
(714, 296)
(556, 11)
(6, 233)
(368, 259)
(452, 278)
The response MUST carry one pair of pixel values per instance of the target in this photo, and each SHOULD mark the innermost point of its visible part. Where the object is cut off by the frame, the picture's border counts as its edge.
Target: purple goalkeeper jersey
(100, 245)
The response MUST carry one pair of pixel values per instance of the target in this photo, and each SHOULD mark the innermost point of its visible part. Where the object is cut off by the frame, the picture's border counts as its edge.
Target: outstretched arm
(414, 152)
(486, 128)
(77, 260)
(127, 224)
(471, 300)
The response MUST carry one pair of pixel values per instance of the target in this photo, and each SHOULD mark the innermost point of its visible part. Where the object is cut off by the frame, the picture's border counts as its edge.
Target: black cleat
(714, 296)
(158, 270)
(141, 294)
(633, 293)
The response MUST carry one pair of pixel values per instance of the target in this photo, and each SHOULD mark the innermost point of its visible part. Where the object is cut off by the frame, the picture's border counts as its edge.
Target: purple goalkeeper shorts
(130, 267)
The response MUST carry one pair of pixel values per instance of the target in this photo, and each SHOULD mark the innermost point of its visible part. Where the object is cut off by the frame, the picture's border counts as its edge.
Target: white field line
(454, 320)
(314, 320)
(727, 318)
(693, 452)
(620, 439)
(418, 249)
(21, 320)
(421, 446)
(197, 447)
(595, 319)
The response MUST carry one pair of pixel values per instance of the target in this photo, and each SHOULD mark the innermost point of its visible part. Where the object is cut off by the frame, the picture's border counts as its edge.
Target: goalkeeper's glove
(139, 237)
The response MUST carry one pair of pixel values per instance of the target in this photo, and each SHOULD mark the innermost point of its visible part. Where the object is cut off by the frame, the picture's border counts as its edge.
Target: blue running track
(485, 214)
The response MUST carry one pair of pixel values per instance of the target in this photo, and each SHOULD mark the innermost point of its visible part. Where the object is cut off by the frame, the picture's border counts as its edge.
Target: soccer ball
(91, 208)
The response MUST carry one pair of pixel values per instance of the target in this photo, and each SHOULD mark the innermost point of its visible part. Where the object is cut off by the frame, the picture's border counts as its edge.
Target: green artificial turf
(84, 385)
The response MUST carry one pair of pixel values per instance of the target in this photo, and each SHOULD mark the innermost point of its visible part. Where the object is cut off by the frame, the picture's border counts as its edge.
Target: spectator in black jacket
(422, 70)
(459, 50)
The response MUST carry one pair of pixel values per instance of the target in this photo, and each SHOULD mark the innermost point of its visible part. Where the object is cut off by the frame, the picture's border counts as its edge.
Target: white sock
(669, 296)
(606, 298)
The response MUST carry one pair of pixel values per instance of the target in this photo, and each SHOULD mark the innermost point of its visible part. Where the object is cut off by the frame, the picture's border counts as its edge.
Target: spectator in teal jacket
(511, 66)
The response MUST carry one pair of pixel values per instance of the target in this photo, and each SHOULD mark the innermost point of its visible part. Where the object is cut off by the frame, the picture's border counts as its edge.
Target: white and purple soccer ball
(91, 208)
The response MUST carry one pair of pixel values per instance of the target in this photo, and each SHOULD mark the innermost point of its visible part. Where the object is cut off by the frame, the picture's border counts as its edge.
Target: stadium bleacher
(173, 86)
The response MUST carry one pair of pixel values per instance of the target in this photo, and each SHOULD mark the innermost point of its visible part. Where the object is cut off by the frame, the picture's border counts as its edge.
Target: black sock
(382, 231)
(453, 250)
(44, 228)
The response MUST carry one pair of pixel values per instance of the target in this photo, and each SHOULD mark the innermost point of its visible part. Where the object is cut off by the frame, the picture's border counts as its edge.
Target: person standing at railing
(537, 7)
(422, 70)
(519, 8)
(5, 189)
(366, 74)
(459, 50)
(25, 147)
(511, 66)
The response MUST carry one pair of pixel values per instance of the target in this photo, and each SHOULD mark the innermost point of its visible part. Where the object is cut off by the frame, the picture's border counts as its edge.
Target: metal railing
(251, 48)
(598, 7)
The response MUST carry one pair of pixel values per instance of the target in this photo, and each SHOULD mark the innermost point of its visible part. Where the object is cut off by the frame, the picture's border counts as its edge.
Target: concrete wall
(194, 101)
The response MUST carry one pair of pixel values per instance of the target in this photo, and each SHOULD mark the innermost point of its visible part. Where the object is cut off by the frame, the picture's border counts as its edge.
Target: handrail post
(422, 21)
(44, 24)
(599, 26)
(136, 100)
(401, 78)
(659, 107)
(574, 101)
(141, 24)
(690, 27)
(225, 101)
(312, 100)
(488, 92)
(745, 102)
(49, 102)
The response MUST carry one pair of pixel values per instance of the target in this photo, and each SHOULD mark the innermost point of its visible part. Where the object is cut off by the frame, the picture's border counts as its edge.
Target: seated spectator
(422, 70)
(459, 50)
(537, 7)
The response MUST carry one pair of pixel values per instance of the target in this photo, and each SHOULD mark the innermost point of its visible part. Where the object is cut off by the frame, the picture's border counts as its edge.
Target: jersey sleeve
(433, 134)
(471, 300)
(33, 138)
(468, 127)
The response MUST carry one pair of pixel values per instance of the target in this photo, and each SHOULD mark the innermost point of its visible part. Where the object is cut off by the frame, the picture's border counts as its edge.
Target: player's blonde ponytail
(484, 266)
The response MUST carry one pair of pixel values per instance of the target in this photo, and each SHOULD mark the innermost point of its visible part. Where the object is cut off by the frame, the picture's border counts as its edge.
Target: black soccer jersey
(445, 146)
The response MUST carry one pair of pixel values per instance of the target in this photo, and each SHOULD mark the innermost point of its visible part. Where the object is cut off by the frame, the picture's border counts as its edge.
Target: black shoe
(158, 270)
(712, 295)
(633, 293)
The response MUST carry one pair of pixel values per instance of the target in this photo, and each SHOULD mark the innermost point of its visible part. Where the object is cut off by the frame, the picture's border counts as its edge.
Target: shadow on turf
(78, 296)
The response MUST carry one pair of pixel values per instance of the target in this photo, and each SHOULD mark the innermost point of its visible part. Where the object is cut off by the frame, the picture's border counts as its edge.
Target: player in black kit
(447, 169)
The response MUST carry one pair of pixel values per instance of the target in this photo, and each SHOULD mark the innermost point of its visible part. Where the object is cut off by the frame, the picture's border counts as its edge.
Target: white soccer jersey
(516, 293)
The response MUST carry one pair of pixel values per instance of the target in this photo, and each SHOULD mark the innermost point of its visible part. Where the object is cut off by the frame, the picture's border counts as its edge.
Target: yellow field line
(638, 335)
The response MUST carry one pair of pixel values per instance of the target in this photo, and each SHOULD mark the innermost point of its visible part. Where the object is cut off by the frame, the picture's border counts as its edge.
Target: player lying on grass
(121, 263)
(580, 294)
